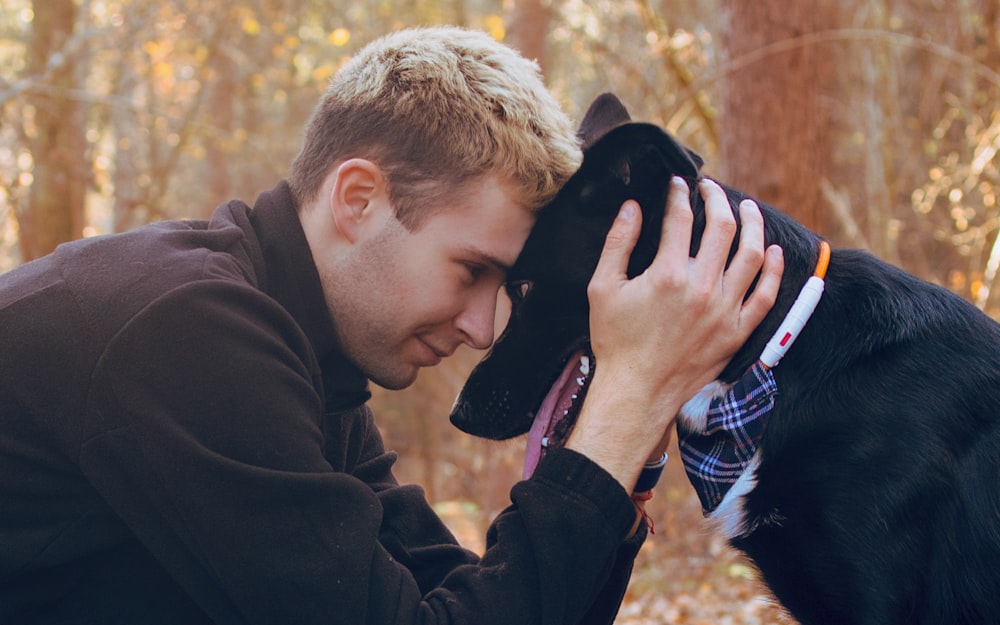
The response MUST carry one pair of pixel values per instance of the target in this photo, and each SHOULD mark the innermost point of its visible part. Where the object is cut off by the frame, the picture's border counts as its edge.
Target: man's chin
(395, 380)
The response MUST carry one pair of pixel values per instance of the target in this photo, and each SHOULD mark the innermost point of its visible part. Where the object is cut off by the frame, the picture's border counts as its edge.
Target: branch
(841, 204)
(839, 34)
(989, 274)
(57, 61)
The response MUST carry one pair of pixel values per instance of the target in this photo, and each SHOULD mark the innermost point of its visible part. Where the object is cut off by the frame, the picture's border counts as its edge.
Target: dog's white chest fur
(730, 516)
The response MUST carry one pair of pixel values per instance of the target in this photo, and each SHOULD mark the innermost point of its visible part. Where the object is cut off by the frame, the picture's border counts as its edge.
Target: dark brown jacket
(180, 442)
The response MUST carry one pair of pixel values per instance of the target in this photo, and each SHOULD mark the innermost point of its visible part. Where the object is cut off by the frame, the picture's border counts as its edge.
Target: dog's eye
(518, 290)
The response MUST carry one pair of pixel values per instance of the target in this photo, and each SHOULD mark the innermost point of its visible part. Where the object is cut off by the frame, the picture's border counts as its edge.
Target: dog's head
(549, 321)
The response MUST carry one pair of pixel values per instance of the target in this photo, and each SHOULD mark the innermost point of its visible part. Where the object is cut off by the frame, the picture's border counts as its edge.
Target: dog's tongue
(554, 409)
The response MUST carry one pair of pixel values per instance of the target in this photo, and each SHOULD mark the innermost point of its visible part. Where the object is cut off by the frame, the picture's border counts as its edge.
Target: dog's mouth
(557, 414)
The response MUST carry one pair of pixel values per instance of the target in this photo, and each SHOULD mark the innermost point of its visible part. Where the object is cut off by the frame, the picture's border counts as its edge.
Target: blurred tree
(127, 179)
(941, 115)
(53, 127)
(527, 28)
(776, 127)
(223, 96)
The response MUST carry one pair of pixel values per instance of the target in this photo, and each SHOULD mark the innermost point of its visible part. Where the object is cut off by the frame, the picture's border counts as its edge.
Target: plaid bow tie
(716, 458)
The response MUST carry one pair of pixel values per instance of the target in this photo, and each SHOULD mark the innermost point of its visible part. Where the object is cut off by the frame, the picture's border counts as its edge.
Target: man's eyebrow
(489, 259)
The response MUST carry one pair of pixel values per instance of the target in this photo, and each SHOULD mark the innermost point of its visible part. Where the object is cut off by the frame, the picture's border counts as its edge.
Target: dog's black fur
(878, 491)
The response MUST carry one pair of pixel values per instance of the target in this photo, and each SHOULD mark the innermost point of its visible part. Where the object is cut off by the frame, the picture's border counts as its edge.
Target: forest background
(874, 122)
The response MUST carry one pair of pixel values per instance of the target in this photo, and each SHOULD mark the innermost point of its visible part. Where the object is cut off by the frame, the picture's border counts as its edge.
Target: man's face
(403, 300)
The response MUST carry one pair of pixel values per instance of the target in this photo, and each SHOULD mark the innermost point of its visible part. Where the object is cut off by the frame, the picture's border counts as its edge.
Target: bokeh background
(874, 122)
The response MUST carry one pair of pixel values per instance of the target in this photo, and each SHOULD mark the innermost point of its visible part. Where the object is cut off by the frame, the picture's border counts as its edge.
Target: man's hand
(661, 336)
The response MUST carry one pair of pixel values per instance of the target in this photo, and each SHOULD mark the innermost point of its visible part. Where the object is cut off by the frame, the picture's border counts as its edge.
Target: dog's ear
(633, 161)
(639, 146)
(605, 113)
(684, 161)
(694, 156)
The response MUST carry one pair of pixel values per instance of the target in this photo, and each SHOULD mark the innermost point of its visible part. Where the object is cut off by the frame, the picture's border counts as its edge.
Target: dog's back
(878, 490)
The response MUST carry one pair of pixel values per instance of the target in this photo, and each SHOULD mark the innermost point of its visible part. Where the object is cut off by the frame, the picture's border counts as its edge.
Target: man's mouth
(558, 412)
(436, 353)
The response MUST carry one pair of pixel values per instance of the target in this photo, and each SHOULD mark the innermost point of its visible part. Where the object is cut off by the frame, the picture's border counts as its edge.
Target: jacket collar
(289, 275)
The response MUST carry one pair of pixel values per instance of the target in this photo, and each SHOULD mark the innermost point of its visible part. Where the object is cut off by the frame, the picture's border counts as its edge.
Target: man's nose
(476, 321)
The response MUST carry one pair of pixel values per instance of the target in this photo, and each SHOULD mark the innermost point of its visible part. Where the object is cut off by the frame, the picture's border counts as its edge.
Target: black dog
(875, 494)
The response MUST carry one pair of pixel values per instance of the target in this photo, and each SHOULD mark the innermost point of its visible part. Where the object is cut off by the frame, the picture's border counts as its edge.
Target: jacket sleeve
(417, 538)
(206, 438)
(411, 531)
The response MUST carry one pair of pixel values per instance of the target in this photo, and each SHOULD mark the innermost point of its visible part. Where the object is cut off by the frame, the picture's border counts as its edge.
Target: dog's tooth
(584, 365)
(545, 441)
(573, 396)
(579, 381)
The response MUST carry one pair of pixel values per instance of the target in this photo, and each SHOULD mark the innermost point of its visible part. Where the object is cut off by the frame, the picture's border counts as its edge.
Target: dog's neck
(802, 309)
(802, 250)
(721, 428)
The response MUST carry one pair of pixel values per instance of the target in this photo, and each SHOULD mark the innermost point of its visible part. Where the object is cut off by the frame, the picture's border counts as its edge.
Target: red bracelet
(643, 497)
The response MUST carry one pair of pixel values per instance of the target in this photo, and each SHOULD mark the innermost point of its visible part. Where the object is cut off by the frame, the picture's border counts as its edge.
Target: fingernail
(677, 181)
(628, 211)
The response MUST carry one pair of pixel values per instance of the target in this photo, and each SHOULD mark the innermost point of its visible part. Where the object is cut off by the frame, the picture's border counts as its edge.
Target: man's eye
(475, 271)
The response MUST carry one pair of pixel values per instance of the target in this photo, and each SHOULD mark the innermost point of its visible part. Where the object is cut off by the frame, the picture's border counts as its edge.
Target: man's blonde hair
(436, 108)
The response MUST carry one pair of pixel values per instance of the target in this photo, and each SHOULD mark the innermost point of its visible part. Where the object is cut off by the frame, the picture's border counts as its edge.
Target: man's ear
(358, 191)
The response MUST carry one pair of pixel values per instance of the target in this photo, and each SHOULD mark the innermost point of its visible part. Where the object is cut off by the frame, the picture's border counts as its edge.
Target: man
(183, 429)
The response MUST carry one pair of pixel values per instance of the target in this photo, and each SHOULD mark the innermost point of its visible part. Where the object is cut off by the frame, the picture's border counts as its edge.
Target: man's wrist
(616, 431)
(605, 443)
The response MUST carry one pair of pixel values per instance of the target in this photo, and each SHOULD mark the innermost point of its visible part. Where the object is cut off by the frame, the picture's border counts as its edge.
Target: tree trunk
(775, 122)
(221, 149)
(527, 27)
(56, 200)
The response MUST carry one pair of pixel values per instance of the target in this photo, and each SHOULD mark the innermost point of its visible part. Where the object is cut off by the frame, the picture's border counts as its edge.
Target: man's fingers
(750, 253)
(750, 260)
(766, 293)
(613, 263)
(675, 239)
(720, 228)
